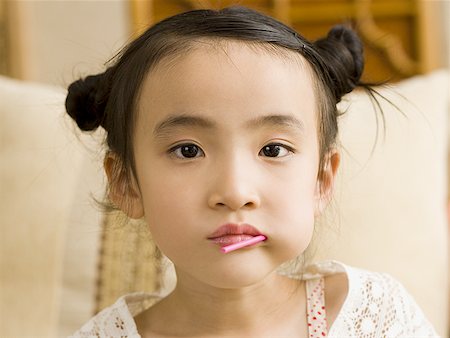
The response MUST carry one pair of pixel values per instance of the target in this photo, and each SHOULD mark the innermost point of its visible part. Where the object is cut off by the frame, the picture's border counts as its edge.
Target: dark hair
(109, 99)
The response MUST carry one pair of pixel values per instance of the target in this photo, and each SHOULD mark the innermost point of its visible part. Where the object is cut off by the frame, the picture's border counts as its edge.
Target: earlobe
(325, 186)
(123, 194)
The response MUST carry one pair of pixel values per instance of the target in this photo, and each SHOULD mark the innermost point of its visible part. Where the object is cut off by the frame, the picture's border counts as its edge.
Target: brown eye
(185, 151)
(274, 149)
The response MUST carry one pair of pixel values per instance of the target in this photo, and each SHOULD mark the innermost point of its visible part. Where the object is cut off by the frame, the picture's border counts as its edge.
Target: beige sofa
(48, 222)
(392, 206)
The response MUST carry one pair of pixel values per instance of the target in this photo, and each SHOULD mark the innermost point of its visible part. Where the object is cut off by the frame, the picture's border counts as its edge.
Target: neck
(251, 310)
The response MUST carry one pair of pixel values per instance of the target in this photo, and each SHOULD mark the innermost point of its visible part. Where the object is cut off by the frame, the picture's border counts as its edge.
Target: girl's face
(245, 151)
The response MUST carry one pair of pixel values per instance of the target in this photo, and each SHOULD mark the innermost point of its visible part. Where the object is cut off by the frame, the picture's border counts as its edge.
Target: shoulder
(117, 320)
(377, 302)
(336, 292)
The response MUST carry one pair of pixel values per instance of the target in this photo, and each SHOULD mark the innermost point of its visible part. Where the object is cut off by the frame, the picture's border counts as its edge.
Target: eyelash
(172, 150)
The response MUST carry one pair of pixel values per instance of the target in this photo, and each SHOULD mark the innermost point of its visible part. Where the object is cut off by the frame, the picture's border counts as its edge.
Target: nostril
(233, 202)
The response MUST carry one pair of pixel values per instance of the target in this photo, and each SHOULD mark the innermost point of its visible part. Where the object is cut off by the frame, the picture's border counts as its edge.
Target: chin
(234, 274)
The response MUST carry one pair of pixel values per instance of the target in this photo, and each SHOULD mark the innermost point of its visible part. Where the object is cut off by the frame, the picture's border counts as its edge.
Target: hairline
(186, 45)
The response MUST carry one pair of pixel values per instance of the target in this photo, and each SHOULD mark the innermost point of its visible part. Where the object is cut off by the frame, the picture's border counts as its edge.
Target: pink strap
(316, 314)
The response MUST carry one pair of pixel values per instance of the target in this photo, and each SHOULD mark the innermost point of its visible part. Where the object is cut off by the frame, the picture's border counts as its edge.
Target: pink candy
(242, 244)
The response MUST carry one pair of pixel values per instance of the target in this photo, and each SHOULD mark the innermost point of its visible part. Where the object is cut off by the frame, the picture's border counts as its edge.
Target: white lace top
(377, 305)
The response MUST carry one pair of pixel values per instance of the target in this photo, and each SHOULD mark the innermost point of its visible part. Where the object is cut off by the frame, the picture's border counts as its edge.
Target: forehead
(229, 81)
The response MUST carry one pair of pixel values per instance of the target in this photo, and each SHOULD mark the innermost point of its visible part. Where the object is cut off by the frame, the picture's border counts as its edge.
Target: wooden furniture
(401, 37)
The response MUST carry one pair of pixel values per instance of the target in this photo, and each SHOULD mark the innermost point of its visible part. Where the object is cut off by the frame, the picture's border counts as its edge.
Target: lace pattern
(379, 306)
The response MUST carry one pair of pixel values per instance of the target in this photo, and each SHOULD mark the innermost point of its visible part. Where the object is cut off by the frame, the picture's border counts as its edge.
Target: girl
(221, 128)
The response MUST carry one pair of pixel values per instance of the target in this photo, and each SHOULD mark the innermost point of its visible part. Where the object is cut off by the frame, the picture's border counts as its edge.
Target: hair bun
(342, 51)
(85, 104)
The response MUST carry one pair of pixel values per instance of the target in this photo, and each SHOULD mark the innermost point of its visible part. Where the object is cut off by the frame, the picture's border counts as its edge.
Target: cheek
(293, 205)
(169, 204)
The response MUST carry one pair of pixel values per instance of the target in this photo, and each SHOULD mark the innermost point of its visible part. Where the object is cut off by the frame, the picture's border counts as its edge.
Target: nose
(234, 185)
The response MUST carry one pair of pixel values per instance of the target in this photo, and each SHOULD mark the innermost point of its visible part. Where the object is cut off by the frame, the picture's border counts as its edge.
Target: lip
(231, 229)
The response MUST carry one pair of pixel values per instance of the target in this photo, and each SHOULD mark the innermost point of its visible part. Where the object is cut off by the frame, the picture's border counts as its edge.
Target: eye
(185, 151)
(274, 149)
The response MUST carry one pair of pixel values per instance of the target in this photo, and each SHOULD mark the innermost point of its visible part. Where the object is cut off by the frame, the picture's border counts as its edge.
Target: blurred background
(57, 41)
(60, 263)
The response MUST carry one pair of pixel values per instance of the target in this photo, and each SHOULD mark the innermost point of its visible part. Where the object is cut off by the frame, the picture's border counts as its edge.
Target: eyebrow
(186, 120)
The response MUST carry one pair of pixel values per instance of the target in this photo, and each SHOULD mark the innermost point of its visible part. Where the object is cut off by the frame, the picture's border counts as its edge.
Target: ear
(123, 193)
(325, 186)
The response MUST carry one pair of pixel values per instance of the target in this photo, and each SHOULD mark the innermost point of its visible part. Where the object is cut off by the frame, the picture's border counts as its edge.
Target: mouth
(230, 233)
